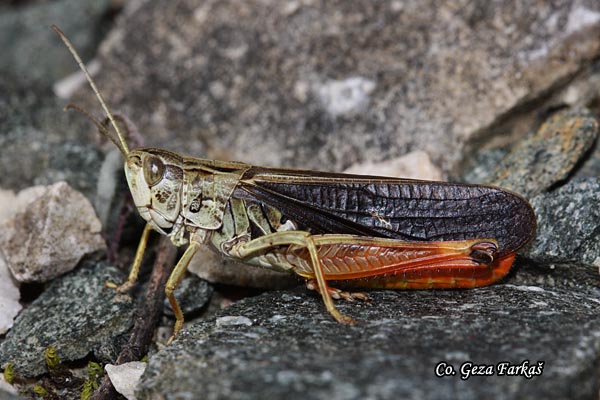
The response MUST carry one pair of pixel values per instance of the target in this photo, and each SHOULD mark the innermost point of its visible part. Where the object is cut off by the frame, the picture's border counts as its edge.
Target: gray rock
(74, 162)
(24, 145)
(563, 275)
(32, 49)
(584, 91)
(77, 315)
(31, 159)
(591, 166)
(483, 156)
(41, 144)
(568, 224)
(193, 294)
(294, 350)
(542, 160)
(482, 165)
(259, 82)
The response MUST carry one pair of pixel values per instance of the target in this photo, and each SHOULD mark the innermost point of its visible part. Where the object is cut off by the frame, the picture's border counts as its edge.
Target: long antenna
(121, 144)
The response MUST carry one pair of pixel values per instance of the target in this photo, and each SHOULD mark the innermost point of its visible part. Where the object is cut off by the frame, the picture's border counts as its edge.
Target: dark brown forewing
(394, 208)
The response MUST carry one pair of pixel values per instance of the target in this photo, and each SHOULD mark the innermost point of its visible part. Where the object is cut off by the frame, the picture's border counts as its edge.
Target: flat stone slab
(76, 315)
(293, 349)
(568, 220)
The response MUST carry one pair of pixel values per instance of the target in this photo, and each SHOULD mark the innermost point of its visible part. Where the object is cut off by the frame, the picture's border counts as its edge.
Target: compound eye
(154, 170)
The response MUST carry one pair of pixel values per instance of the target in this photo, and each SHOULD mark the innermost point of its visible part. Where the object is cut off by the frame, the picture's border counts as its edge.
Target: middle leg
(302, 239)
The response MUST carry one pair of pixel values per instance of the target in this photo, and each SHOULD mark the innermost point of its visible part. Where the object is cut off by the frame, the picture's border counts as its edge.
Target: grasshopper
(360, 231)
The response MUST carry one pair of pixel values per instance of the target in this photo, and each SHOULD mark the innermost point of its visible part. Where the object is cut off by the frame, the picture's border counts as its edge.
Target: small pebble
(125, 377)
(233, 320)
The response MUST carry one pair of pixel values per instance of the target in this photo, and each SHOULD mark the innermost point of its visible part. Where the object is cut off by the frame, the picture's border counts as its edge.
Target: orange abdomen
(405, 265)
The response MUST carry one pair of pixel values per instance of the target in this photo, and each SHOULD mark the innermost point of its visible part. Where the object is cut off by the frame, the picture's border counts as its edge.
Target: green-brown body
(230, 205)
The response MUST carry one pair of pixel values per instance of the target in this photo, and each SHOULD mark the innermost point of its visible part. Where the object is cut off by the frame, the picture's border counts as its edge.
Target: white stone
(414, 165)
(581, 17)
(55, 228)
(126, 377)
(5, 386)
(9, 298)
(233, 320)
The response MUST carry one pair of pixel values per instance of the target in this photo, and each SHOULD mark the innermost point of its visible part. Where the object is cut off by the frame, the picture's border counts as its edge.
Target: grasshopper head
(155, 178)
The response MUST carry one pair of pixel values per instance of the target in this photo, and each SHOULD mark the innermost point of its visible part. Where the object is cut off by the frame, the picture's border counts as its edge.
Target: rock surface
(247, 82)
(548, 157)
(25, 36)
(192, 293)
(51, 235)
(568, 224)
(41, 144)
(77, 315)
(293, 349)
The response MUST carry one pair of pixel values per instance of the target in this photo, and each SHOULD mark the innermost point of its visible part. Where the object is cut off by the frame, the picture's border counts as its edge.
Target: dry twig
(147, 315)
